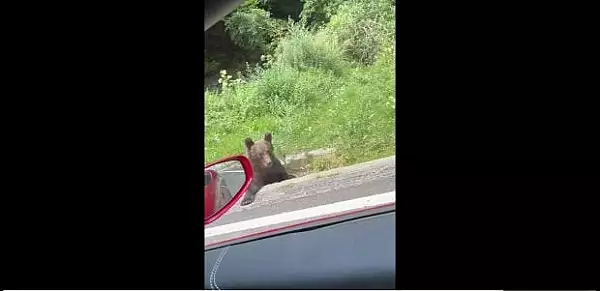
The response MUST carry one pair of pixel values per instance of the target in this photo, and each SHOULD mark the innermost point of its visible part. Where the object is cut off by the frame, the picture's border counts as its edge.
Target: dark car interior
(352, 254)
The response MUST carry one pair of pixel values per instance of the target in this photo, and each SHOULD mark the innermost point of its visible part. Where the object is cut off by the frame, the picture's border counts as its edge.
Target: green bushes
(253, 30)
(361, 27)
(316, 13)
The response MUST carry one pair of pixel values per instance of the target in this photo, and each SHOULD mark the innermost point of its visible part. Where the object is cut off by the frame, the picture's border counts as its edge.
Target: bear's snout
(268, 162)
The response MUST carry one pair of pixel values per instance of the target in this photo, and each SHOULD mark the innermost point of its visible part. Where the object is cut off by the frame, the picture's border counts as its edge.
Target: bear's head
(260, 153)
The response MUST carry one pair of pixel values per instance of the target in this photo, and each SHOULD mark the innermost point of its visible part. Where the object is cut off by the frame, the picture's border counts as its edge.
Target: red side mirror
(225, 182)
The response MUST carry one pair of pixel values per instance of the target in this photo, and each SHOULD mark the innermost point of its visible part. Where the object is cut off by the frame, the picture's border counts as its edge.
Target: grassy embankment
(332, 87)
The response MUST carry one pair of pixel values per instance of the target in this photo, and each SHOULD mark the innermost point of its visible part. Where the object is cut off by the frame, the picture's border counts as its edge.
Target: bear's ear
(268, 137)
(248, 142)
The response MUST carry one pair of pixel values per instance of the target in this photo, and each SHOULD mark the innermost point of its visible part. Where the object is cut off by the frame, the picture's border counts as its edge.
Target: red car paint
(210, 190)
(215, 214)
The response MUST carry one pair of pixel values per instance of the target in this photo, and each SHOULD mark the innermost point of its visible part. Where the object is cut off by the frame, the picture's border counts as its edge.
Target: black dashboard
(354, 254)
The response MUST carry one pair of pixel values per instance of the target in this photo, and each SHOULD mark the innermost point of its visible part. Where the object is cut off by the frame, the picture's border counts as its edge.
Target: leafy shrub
(317, 13)
(252, 29)
(361, 26)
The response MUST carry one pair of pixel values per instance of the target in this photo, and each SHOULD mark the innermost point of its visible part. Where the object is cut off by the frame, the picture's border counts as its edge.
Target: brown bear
(267, 168)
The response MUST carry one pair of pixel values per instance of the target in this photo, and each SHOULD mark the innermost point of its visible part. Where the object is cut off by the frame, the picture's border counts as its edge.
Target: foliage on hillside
(325, 80)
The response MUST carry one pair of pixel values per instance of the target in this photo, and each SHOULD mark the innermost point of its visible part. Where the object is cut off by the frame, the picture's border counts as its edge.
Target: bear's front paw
(248, 199)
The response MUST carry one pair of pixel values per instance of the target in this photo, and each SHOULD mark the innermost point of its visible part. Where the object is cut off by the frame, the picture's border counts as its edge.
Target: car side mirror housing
(225, 182)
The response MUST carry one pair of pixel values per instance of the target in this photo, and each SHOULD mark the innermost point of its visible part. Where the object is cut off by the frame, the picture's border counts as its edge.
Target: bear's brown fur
(267, 168)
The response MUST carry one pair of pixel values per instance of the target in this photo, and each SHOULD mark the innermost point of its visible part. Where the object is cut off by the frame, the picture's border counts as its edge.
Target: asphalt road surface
(234, 179)
(311, 191)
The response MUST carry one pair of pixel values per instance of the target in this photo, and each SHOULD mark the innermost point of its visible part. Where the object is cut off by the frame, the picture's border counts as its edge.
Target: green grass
(352, 114)
(311, 97)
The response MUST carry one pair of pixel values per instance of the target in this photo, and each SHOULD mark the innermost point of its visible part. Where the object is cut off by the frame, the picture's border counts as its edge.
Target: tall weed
(303, 49)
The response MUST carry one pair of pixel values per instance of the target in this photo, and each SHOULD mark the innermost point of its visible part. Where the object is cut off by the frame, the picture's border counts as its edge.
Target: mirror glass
(222, 182)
